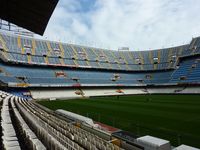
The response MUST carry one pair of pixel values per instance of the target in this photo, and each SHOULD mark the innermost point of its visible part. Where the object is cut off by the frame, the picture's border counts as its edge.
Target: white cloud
(140, 24)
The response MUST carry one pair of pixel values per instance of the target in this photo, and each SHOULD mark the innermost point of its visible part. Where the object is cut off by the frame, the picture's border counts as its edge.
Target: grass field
(172, 117)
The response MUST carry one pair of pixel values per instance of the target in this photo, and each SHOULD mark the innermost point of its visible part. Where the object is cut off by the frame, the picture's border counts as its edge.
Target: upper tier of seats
(20, 49)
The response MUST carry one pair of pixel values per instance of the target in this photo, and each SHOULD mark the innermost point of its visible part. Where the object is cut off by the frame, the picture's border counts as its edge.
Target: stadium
(56, 95)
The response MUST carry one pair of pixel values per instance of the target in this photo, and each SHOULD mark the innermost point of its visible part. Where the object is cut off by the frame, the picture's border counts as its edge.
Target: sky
(137, 24)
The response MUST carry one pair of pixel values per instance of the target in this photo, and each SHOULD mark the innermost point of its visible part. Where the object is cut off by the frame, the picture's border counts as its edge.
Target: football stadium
(56, 95)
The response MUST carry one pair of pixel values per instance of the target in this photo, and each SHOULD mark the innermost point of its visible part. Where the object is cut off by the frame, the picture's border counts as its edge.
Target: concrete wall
(71, 93)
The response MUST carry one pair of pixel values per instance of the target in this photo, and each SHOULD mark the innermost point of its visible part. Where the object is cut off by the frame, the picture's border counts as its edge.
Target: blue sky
(140, 25)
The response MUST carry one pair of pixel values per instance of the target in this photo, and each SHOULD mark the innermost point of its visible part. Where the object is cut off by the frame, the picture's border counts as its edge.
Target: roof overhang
(32, 15)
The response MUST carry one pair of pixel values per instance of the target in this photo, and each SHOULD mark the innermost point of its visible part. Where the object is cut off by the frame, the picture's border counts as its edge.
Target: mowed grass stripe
(170, 114)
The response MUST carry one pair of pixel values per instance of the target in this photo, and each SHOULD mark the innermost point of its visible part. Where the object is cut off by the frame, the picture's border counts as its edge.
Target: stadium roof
(30, 14)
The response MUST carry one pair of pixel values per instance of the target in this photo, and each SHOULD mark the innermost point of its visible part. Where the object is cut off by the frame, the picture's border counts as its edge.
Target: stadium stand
(52, 53)
(38, 69)
(27, 125)
(32, 68)
(188, 71)
(29, 62)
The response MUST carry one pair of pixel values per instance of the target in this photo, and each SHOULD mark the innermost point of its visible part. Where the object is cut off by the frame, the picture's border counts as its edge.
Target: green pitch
(172, 117)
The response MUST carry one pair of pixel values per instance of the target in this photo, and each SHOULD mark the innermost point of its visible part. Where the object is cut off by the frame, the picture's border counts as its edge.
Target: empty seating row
(39, 127)
(9, 137)
(29, 136)
(83, 138)
(14, 128)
